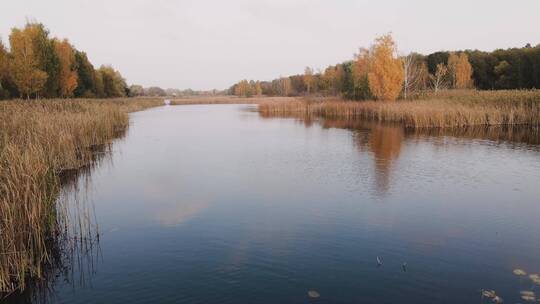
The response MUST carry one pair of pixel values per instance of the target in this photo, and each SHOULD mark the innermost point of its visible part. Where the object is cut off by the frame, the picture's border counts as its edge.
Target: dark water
(215, 204)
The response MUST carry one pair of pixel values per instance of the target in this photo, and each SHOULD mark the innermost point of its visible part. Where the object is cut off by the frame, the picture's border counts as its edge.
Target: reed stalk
(449, 109)
(39, 142)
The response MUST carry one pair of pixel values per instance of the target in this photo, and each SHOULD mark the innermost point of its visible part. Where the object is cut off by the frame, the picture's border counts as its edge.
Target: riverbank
(39, 141)
(442, 110)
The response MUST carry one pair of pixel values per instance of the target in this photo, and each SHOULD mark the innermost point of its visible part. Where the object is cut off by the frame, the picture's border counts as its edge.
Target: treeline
(140, 91)
(380, 73)
(515, 68)
(37, 65)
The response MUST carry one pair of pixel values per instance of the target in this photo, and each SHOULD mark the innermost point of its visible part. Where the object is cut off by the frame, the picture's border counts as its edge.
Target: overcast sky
(205, 44)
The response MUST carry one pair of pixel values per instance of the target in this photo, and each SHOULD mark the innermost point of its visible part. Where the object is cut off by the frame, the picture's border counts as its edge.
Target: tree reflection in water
(385, 141)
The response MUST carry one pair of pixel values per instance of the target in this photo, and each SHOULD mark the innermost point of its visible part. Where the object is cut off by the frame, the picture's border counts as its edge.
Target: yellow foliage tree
(339, 76)
(258, 88)
(464, 72)
(67, 75)
(332, 79)
(328, 77)
(23, 66)
(360, 73)
(243, 89)
(385, 70)
(453, 61)
(114, 85)
(460, 71)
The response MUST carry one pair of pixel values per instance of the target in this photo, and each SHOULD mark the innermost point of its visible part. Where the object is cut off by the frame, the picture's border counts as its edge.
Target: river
(216, 204)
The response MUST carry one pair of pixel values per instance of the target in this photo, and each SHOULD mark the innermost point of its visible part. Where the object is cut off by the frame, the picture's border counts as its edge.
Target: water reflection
(168, 207)
(171, 214)
(517, 135)
(385, 141)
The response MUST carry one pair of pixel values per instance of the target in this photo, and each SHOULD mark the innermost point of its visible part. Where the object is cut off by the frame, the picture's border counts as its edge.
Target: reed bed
(39, 142)
(449, 109)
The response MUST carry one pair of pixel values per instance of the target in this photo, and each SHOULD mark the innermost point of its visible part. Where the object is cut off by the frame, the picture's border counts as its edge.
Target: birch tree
(414, 72)
(285, 86)
(438, 80)
(452, 66)
(23, 67)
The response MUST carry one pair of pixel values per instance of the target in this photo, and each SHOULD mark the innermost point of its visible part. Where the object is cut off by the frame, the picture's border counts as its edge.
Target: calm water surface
(215, 204)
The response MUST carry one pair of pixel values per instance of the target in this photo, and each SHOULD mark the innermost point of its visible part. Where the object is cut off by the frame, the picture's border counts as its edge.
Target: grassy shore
(39, 141)
(442, 110)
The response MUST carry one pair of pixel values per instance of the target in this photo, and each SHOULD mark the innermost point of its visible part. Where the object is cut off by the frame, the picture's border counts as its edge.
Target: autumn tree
(154, 91)
(327, 79)
(45, 56)
(385, 70)
(514, 68)
(360, 74)
(459, 71)
(136, 90)
(453, 62)
(24, 64)
(252, 85)
(258, 88)
(339, 79)
(3, 59)
(308, 79)
(502, 72)
(463, 73)
(331, 80)
(44, 67)
(68, 76)
(114, 84)
(415, 74)
(99, 84)
(3, 62)
(4, 72)
(243, 89)
(439, 79)
(282, 86)
(285, 86)
(86, 76)
(297, 84)
(240, 88)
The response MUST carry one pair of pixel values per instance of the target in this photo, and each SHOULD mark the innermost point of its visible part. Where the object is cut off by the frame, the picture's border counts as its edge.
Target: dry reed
(39, 140)
(443, 110)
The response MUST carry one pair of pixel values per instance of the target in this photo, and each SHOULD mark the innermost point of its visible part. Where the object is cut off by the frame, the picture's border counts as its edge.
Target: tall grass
(39, 142)
(442, 110)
